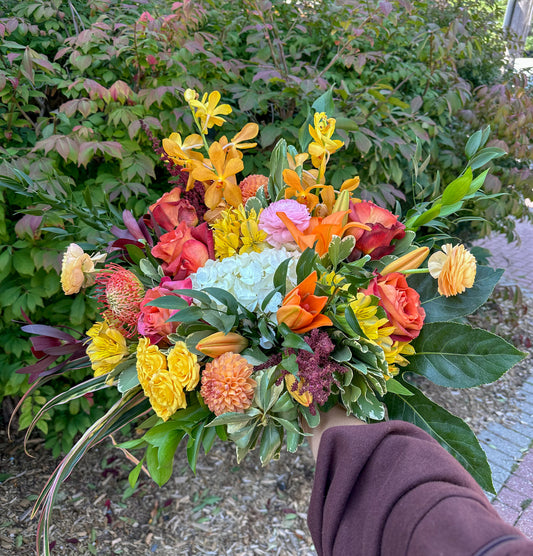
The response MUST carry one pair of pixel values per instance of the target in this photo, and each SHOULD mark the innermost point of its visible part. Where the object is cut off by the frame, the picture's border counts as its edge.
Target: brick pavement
(509, 447)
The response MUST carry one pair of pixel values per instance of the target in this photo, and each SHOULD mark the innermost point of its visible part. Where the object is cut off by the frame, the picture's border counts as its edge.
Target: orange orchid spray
(320, 232)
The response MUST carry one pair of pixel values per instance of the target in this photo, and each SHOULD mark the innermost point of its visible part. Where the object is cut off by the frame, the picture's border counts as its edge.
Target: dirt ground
(226, 508)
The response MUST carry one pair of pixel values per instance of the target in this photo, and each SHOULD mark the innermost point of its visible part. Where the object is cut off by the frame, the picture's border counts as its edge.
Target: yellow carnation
(182, 364)
(77, 269)
(106, 348)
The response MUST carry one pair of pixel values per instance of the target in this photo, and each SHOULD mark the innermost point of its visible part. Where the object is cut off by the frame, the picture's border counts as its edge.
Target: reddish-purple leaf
(45, 330)
(385, 7)
(266, 75)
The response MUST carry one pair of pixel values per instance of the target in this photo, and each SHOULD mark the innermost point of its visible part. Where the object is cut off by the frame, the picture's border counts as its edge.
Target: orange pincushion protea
(251, 184)
(121, 293)
(226, 384)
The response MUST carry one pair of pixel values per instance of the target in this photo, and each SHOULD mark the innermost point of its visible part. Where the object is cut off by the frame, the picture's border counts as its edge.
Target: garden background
(88, 90)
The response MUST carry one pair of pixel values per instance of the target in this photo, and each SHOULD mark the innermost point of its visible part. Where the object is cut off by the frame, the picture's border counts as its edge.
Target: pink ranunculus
(401, 303)
(171, 210)
(181, 253)
(384, 228)
(270, 222)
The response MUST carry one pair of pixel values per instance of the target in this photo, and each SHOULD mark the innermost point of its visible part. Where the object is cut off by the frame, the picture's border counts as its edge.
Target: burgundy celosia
(316, 371)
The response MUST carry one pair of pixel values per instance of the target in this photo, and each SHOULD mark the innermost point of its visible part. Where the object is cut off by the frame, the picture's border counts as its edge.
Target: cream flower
(77, 269)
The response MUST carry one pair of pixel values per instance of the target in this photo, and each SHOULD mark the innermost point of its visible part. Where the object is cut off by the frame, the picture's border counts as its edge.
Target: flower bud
(190, 94)
(342, 202)
(218, 343)
(409, 261)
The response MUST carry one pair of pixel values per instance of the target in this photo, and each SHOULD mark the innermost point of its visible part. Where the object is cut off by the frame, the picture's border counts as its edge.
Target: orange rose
(401, 303)
(181, 253)
(301, 309)
(171, 210)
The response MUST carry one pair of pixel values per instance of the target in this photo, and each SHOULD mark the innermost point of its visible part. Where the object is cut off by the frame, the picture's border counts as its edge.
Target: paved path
(509, 448)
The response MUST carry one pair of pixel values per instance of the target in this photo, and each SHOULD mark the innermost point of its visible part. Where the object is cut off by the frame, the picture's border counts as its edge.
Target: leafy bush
(77, 80)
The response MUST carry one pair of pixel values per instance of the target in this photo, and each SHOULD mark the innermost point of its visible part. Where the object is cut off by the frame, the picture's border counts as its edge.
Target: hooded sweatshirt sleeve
(389, 489)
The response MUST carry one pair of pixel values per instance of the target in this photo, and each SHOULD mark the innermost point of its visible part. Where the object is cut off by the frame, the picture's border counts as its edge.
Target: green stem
(415, 271)
(202, 134)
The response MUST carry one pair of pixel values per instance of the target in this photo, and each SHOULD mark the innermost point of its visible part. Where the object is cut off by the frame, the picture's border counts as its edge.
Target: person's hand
(335, 417)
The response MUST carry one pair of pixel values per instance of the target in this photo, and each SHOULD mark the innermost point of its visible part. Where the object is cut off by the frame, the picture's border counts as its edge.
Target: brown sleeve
(389, 489)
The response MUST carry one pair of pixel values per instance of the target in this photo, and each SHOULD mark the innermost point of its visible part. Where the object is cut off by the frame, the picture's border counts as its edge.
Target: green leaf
(312, 420)
(169, 302)
(230, 418)
(136, 253)
(427, 216)
(128, 379)
(269, 134)
(270, 444)
(134, 474)
(195, 294)
(339, 249)
(157, 435)
(477, 183)
(23, 262)
(450, 432)
(439, 308)
(352, 322)
(457, 189)
(459, 356)
(189, 314)
(362, 142)
(225, 298)
(193, 445)
(305, 264)
(473, 144)
(486, 155)
(280, 276)
(396, 387)
(295, 341)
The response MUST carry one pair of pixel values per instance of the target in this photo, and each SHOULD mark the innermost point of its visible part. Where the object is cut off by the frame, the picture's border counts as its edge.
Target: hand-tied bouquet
(239, 310)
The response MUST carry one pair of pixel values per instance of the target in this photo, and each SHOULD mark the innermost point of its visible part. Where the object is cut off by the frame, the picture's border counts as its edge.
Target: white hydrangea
(248, 277)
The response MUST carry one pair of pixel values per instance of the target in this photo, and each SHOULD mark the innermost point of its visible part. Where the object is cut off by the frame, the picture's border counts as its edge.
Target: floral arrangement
(240, 308)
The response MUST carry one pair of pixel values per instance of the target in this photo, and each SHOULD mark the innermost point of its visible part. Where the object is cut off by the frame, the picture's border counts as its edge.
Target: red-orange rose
(171, 210)
(401, 303)
(384, 228)
(181, 253)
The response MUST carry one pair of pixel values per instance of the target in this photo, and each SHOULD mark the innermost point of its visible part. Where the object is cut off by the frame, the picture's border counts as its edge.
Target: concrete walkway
(509, 447)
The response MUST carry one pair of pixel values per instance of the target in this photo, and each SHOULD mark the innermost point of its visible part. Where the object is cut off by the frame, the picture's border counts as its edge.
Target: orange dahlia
(226, 384)
(454, 268)
(121, 293)
(251, 184)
